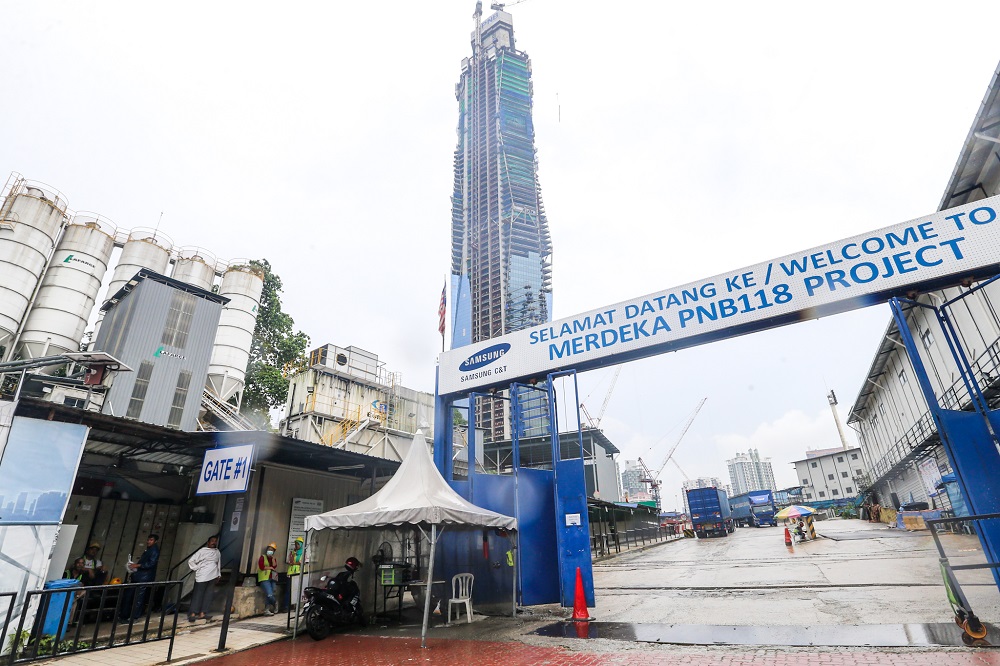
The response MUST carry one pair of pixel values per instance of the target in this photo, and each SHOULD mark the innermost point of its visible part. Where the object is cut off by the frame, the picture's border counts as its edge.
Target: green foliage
(458, 419)
(276, 351)
(16, 642)
(47, 642)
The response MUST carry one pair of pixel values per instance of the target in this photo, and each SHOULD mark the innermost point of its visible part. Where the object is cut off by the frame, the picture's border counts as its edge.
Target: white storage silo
(65, 299)
(145, 248)
(32, 216)
(195, 266)
(242, 284)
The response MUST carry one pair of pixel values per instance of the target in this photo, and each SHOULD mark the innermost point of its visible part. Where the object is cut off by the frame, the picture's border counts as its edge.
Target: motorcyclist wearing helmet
(267, 573)
(342, 581)
(352, 565)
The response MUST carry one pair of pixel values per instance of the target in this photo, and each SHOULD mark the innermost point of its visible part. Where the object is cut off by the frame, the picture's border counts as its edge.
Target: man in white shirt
(206, 565)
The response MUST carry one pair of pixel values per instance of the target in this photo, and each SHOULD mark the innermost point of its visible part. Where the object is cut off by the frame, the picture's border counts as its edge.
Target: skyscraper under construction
(501, 277)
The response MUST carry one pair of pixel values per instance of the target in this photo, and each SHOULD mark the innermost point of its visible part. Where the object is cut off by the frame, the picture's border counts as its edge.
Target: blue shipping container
(710, 512)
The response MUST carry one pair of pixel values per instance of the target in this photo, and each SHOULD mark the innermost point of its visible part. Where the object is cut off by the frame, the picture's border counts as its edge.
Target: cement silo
(195, 266)
(57, 320)
(242, 284)
(32, 216)
(145, 248)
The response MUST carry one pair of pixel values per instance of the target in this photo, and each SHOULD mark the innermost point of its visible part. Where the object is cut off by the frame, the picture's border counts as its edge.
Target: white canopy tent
(416, 495)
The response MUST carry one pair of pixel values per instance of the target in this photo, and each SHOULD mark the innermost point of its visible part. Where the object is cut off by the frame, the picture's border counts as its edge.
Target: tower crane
(654, 485)
(498, 6)
(653, 479)
(596, 423)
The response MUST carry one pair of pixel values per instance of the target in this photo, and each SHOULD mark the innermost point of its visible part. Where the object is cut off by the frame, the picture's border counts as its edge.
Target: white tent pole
(427, 592)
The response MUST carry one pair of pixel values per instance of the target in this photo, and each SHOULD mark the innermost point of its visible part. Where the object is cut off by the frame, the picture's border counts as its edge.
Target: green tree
(276, 351)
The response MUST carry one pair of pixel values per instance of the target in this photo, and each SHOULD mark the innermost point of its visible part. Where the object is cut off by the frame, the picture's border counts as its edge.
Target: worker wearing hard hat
(267, 573)
(295, 558)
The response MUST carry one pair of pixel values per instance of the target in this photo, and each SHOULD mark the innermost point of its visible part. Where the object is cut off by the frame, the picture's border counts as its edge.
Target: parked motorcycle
(337, 603)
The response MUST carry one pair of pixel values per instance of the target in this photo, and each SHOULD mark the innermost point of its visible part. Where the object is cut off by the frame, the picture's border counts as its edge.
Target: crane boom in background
(654, 479)
(596, 423)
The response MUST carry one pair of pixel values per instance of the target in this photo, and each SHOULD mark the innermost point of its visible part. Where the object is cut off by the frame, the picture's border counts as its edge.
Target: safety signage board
(960, 244)
(225, 470)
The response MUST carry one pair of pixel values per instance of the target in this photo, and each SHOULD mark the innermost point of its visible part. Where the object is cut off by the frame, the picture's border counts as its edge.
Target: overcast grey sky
(675, 141)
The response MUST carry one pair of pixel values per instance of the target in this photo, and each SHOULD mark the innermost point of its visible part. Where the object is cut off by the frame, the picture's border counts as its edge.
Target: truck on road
(710, 512)
(754, 509)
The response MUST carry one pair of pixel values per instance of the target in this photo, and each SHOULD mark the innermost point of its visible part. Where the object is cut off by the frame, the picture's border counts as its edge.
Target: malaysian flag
(442, 309)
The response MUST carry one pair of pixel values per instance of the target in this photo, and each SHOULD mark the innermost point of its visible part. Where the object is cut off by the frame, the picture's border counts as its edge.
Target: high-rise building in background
(501, 277)
(749, 472)
(631, 479)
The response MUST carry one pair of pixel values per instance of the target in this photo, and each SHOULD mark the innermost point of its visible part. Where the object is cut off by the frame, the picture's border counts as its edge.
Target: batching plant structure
(65, 300)
(53, 263)
(32, 217)
(142, 248)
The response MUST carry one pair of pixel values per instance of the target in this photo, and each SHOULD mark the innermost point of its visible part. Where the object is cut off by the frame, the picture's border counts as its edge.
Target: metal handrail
(27, 646)
(10, 613)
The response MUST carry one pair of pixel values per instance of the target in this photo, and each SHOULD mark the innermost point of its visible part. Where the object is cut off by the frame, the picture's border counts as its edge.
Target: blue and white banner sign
(959, 245)
(225, 470)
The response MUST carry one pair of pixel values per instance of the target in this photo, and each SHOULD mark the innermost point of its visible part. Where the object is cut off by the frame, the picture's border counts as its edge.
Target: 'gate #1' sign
(930, 252)
(225, 470)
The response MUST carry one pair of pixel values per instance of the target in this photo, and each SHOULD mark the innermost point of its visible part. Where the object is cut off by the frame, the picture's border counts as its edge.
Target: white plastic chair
(461, 593)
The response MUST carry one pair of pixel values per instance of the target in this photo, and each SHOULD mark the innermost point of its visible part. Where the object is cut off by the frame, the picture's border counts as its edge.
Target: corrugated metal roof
(147, 274)
(977, 171)
(143, 442)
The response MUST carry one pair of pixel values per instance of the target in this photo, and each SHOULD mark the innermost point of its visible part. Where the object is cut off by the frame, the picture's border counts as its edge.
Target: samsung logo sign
(484, 357)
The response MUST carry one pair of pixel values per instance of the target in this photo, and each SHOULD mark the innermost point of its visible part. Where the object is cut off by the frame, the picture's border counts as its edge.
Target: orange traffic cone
(580, 600)
(788, 537)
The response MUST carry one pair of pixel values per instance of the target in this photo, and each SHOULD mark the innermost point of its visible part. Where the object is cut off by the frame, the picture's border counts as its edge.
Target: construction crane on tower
(654, 479)
(498, 6)
(596, 423)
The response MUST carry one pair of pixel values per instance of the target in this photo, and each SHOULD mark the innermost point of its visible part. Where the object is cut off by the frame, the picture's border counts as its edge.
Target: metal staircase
(225, 412)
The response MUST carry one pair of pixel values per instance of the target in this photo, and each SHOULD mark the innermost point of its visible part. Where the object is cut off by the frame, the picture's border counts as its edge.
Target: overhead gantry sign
(959, 245)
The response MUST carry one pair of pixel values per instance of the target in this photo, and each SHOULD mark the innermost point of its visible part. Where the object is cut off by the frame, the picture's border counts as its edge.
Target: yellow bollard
(810, 525)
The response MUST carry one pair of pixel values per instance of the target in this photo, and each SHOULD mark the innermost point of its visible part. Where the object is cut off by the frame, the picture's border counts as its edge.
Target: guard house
(165, 329)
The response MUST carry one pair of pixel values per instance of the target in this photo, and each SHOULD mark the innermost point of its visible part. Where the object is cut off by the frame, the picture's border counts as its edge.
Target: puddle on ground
(879, 635)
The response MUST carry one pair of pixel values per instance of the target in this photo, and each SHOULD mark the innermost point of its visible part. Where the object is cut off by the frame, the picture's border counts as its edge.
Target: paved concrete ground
(868, 575)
